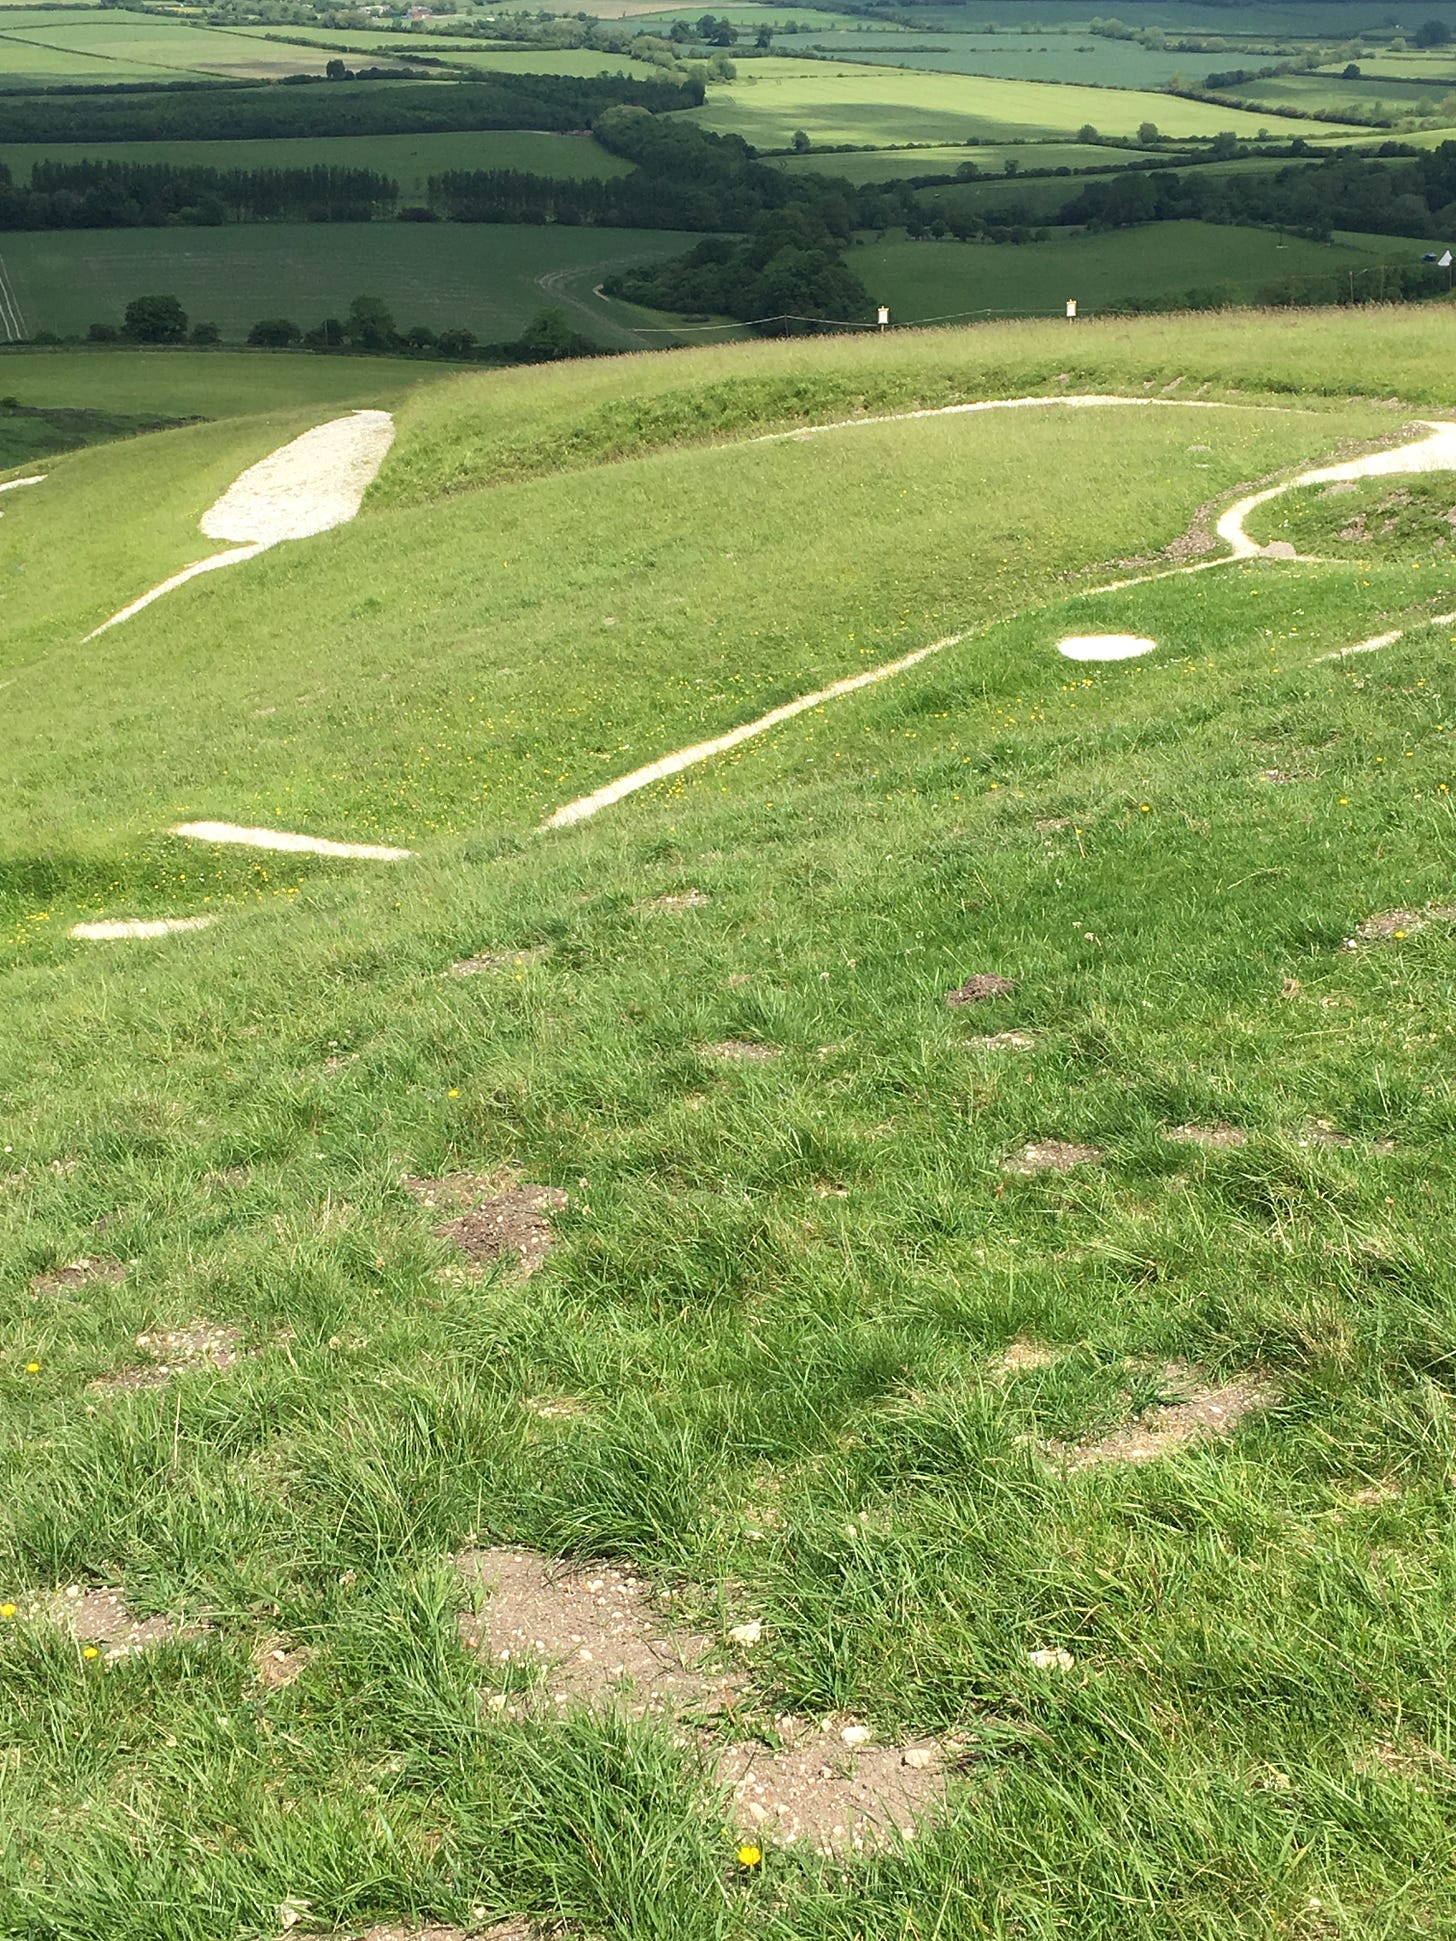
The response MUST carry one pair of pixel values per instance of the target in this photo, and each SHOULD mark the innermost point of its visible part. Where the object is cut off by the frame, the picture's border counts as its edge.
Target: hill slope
(1048, 1390)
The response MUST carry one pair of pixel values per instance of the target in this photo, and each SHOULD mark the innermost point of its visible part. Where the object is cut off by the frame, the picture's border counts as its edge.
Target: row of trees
(1415, 197)
(128, 195)
(368, 325)
(274, 111)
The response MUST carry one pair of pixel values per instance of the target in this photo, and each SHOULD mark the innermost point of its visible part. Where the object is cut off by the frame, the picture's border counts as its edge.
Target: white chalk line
(315, 482)
(1074, 401)
(285, 840)
(1377, 641)
(136, 929)
(13, 485)
(702, 751)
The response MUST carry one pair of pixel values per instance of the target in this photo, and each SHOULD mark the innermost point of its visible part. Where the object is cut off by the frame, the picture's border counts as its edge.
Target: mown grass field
(137, 46)
(890, 165)
(927, 279)
(410, 159)
(489, 278)
(1076, 57)
(838, 102)
(766, 1365)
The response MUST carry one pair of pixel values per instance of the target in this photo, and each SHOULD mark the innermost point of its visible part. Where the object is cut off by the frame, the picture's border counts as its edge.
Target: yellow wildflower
(749, 1855)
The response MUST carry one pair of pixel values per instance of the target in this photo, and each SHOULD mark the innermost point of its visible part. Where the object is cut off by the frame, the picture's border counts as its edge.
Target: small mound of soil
(179, 1351)
(595, 1630)
(1051, 1156)
(100, 1619)
(1221, 1137)
(741, 1051)
(978, 989)
(494, 1218)
(79, 1273)
(1003, 1041)
(1201, 1412)
(498, 960)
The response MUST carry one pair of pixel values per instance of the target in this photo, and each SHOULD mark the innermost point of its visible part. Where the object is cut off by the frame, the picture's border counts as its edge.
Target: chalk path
(309, 486)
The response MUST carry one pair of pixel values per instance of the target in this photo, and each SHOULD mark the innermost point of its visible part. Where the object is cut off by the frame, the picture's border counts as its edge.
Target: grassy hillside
(809, 1353)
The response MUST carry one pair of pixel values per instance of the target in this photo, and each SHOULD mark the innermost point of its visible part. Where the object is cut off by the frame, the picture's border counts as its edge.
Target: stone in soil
(276, 1663)
(491, 1215)
(1200, 1413)
(980, 988)
(1050, 1156)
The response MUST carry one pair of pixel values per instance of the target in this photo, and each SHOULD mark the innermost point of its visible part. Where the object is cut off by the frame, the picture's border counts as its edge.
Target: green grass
(789, 1403)
(927, 279)
(205, 384)
(138, 46)
(410, 159)
(1080, 58)
(489, 278)
(837, 102)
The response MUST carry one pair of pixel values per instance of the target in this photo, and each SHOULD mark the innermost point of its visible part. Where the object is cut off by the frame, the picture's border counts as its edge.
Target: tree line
(273, 111)
(129, 195)
(1389, 197)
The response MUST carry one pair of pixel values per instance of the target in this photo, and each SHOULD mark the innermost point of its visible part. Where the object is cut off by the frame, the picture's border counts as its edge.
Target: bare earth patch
(688, 900)
(1320, 1132)
(178, 1351)
(1050, 1156)
(1021, 1354)
(492, 1217)
(1394, 926)
(1199, 1413)
(101, 1624)
(1221, 1137)
(498, 960)
(86, 1272)
(597, 1634)
(1003, 1041)
(500, 1931)
(740, 1051)
(276, 1663)
(976, 990)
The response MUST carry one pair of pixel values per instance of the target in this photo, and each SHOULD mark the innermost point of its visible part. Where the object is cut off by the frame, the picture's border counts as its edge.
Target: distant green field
(410, 159)
(1329, 94)
(205, 384)
(894, 165)
(920, 281)
(1036, 199)
(489, 278)
(886, 107)
(1060, 56)
(139, 45)
(25, 63)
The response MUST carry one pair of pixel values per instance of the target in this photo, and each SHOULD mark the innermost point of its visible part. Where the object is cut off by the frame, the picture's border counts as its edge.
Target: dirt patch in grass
(687, 900)
(1320, 1132)
(1050, 1156)
(979, 989)
(276, 1663)
(1003, 1041)
(178, 1351)
(1394, 926)
(492, 1216)
(432, 1931)
(600, 1637)
(831, 1793)
(740, 1051)
(1021, 1354)
(499, 960)
(597, 1632)
(1194, 1412)
(101, 1624)
(1222, 1138)
(86, 1272)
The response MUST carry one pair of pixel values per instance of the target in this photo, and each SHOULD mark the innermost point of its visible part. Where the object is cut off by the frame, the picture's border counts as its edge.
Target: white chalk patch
(702, 751)
(13, 485)
(1377, 641)
(309, 486)
(231, 832)
(137, 927)
(1105, 646)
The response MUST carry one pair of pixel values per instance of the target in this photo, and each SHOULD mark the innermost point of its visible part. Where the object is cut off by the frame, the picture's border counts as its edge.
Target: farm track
(12, 318)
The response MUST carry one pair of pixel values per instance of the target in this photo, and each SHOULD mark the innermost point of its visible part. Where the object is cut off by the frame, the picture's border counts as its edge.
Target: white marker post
(1071, 306)
(883, 314)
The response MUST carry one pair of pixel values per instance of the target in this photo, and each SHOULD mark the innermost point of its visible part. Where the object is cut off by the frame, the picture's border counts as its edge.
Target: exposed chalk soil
(492, 1215)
